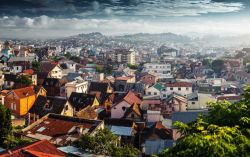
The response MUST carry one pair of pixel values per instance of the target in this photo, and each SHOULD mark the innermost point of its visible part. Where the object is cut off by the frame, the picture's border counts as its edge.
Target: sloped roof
(134, 108)
(158, 86)
(87, 113)
(81, 100)
(55, 105)
(131, 98)
(47, 66)
(99, 87)
(40, 148)
(24, 92)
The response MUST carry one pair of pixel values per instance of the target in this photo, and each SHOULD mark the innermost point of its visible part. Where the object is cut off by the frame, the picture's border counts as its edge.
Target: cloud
(100, 8)
(47, 27)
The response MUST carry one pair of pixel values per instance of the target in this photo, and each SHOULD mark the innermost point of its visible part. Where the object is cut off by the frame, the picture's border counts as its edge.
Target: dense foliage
(218, 66)
(105, 143)
(7, 138)
(24, 80)
(36, 66)
(225, 131)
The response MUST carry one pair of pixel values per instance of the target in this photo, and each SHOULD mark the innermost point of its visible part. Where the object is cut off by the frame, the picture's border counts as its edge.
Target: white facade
(76, 86)
(202, 102)
(160, 69)
(184, 91)
(56, 72)
(154, 116)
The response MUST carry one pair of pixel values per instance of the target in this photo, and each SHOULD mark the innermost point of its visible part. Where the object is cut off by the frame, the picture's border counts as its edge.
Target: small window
(123, 108)
(187, 88)
(179, 88)
(193, 102)
(149, 93)
(164, 95)
(132, 115)
(155, 93)
(171, 88)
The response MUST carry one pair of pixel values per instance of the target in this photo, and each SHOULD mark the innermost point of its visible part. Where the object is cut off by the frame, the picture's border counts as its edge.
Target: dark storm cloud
(54, 18)
(105, 8)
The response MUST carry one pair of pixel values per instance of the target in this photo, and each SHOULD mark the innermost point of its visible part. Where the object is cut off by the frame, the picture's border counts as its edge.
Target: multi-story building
(78, 86)
(125, 56)
(162, 70)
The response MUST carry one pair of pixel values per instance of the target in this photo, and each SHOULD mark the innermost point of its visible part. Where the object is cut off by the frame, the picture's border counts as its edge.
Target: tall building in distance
(123, 56)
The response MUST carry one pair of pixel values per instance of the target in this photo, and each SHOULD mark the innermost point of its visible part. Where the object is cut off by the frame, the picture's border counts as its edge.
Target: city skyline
(51, 19)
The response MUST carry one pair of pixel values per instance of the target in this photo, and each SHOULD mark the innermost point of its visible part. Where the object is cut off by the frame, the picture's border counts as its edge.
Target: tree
(218, 66)
(206, 62)
(36, 66)
(223, 132)
(24, 79)
(5, 124)
(105, 143)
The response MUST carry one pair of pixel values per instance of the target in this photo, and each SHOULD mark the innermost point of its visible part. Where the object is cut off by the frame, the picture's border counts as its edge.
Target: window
(66, 108)
(171, 88)
(132, 115)
(164, 95)
(187, 88)
(193, 102)
(149, 93)
(179, 88)
(155, 93)
(123, 108)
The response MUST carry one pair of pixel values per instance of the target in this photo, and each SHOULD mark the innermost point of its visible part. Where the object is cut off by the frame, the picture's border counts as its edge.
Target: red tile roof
(28, 71)
(40, 149)
(179, 84)
(235, 97)
(131, 98)
(24, 92)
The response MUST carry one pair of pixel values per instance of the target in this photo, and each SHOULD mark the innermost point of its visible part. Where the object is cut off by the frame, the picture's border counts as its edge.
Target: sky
(59, 18)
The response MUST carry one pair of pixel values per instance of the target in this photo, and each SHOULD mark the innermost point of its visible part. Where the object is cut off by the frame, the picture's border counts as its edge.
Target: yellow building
(19, 101)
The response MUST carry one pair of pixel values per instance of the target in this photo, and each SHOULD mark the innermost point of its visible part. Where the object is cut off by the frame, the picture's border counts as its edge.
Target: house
(155, 90)
(125, 129)
(80, 101)
(134, 113)
(162, 70)
(242, 77)
(103, 87)
(54, 86)
(39, 148)
(61, 130)
(148, 79)
(156, 138)
(121, 83)
(44, 105)
(182, 88)
(9, 80)
(119, 109)
(19, 101)
(53, 69)
(78, 86)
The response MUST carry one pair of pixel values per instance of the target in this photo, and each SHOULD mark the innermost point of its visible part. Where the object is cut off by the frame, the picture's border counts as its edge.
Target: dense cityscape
(127, 94)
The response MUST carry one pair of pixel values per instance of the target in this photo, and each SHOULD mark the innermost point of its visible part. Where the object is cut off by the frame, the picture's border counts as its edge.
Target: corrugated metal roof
(121, 130)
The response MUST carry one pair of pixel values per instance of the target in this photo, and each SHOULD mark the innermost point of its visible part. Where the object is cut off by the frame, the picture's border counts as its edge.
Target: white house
(78, 86)
(56, 72)
(182, 88)
(162, 70)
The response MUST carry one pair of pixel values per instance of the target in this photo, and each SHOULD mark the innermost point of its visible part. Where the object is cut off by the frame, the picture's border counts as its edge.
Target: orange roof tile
(131, 98)
(24, 92)
(41, 148)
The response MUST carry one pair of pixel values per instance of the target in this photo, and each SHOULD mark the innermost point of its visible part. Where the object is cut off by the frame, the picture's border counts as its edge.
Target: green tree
(105, 143)
(206, 62)
(36, 66)
(223, 132)
(5, 124)
(24, 79)
(218, 66)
